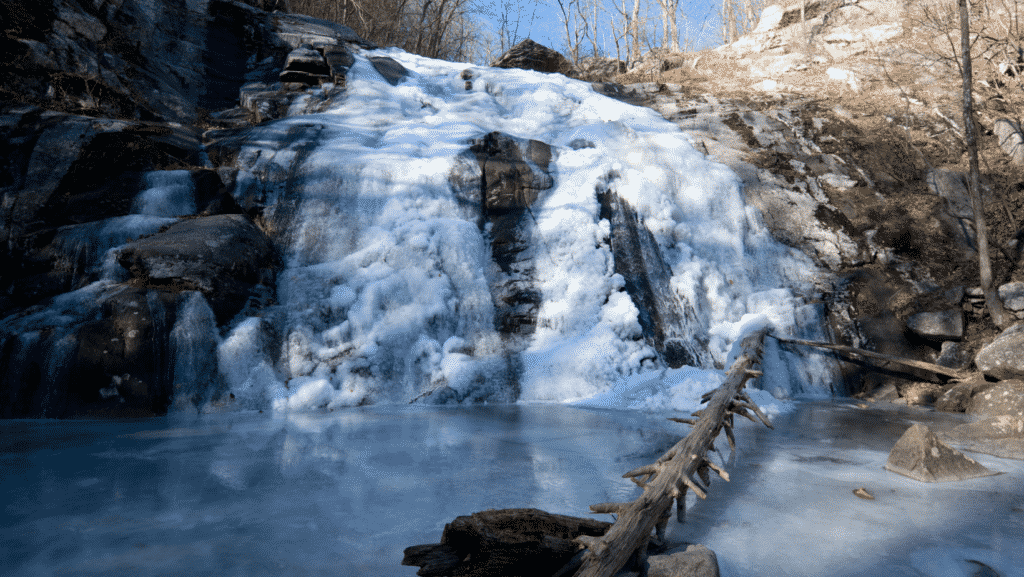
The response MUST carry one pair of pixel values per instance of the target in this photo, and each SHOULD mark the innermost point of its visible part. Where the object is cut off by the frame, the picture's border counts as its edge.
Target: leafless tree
(992, 300)
(434, 28)
(670, 34)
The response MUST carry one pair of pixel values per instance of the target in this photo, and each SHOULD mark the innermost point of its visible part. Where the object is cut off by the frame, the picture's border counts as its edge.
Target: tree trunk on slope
(995, 306)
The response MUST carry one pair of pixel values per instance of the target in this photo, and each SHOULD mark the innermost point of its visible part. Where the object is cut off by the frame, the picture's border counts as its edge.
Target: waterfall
(642, 254)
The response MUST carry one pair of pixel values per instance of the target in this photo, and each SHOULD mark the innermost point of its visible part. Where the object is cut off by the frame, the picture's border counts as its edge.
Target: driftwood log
(672, 474)
(932, 368)
(507, 542)
(530, 542)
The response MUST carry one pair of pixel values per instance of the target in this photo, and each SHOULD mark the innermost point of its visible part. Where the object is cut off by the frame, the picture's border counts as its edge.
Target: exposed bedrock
(512, 173)
(123, 249)
(669, 323)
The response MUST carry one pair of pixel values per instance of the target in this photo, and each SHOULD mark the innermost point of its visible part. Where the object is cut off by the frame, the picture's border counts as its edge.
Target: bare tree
(669, 11)
(992, 301)
(739, 17)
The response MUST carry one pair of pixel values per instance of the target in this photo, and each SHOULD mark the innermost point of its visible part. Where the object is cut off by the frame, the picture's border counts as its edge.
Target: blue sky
(541, 21)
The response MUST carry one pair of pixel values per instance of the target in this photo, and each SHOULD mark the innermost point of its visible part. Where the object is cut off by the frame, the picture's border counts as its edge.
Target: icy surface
(387, 266)
(169, 193)
(343, 493)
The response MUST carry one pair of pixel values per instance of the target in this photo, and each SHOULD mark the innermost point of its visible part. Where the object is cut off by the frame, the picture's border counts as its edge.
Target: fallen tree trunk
(671, 475)
(932, 368)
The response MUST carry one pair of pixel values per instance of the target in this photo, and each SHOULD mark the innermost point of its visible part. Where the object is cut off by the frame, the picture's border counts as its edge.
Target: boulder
(225, 257)
(1004, 358)
(339, 59)
(305, 65)
(954, 355)
(530, 55)
(1012, 295)
(940, 326)
(1001, 436)
(1004, 398)
(920, 455)
(504, 542)
(390, 69)
(1010, 139)
(696, 561)
(957, 397)
(103, 351)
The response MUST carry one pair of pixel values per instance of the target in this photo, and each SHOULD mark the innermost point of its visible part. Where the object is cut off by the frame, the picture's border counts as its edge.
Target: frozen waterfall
(387, 290)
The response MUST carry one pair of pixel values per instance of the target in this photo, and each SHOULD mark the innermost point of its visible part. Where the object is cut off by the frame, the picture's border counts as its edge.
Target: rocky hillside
(842, 127)
(846, 130)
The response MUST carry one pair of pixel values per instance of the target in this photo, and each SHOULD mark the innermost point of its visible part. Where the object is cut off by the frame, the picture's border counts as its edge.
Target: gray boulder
(945, 325)
(225, 257)
(1004, 358)
(1001, 436)
(954, 355)
(958, 397)
(1005, 398)
(1012, 295)
(339, 59)
(920, 455)
(530, 55)
(696, 561)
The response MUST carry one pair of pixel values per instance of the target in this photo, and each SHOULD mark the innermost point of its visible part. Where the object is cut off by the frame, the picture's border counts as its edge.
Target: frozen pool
(344, 492)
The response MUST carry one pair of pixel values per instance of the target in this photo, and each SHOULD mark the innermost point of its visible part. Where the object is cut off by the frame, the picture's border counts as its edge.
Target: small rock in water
(863, 494)
(920, 455)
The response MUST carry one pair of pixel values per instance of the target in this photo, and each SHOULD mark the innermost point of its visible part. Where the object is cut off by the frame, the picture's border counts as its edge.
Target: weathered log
(932, 368)
(526, 542)
(631, 532)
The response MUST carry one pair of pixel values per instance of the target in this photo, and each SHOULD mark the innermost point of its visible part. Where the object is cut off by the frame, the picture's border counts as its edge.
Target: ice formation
(385, 292)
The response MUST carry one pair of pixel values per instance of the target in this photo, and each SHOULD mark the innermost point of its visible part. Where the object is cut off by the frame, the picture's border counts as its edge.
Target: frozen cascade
(385, 293)
(194, 350)
(170, 193)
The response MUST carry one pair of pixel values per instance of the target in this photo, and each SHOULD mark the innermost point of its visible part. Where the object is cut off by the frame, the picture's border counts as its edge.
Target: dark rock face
(668, 322)
(512, 173)
(105, 354)
(65, 171)
(391, 70)
(98, 151)
(225, 257)
(530, 55)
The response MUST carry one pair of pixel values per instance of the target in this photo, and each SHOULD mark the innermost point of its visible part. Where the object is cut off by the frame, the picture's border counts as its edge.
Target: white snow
(387, 265)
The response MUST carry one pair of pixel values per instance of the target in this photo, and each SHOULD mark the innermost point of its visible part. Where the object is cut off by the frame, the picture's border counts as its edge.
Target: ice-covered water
(386, 286)
(343, 493)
